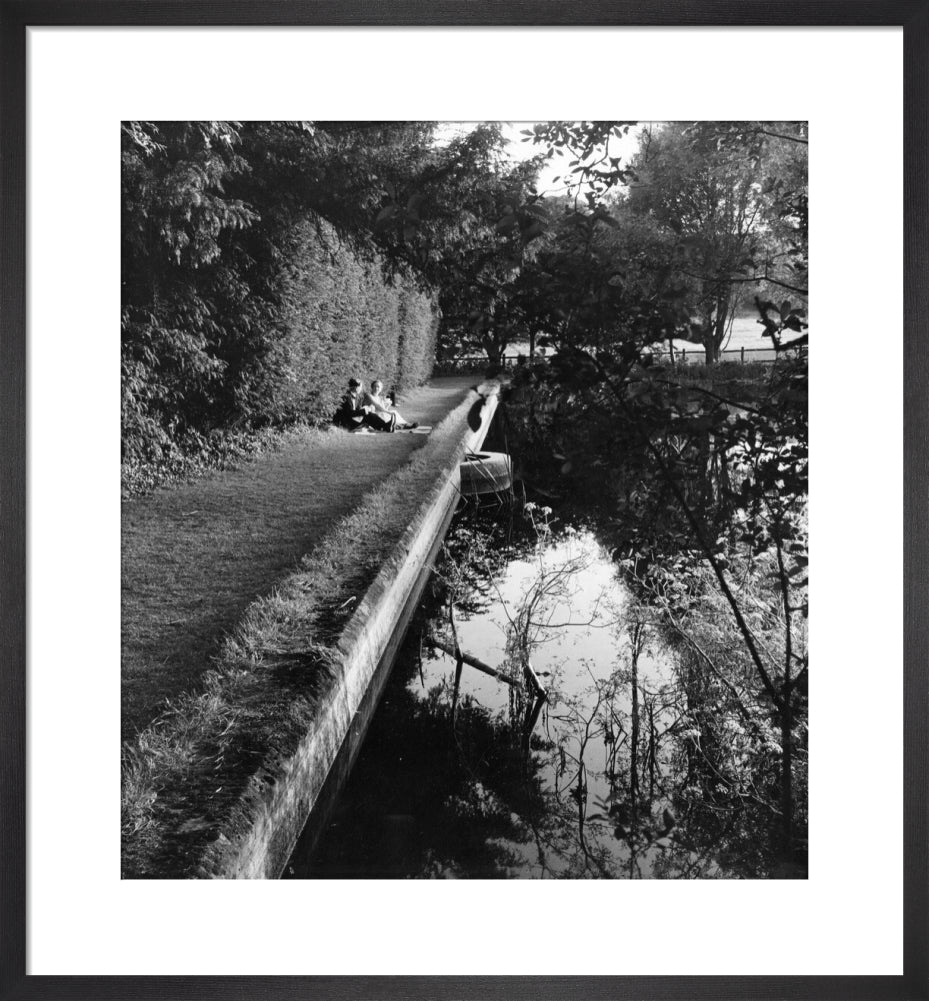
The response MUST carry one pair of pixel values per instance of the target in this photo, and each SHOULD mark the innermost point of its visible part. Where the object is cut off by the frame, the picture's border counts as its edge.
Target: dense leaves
(699, 485)
(698, 480)
(733, 196)
(253, 279)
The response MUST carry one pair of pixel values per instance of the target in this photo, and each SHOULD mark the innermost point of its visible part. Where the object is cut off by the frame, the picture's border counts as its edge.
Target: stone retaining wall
(366, 647)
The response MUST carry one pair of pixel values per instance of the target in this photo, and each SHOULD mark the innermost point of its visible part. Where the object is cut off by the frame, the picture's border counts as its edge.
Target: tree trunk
(707, 335)
(786, 773)
(719, 327)
(494, 353)
(634, 764)
(652, 752)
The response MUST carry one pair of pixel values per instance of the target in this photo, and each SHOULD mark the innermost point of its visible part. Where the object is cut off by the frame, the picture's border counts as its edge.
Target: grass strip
(189, 777)
(196, 455)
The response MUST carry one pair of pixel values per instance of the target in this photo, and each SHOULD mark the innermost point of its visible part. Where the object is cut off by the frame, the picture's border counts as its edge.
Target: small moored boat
(486, 473)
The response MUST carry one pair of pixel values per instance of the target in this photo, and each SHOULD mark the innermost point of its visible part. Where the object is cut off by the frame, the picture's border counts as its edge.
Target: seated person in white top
(385, 409)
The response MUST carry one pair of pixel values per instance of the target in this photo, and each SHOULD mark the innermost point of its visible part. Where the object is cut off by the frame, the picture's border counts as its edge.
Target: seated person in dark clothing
(351, 413)
(354, 415)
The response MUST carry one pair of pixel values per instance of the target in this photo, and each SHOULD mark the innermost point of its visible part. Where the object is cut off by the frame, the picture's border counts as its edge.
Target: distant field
(745, 333)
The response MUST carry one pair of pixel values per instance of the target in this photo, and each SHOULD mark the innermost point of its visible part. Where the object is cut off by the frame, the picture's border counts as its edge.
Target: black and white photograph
(464, 478)
(409, 545)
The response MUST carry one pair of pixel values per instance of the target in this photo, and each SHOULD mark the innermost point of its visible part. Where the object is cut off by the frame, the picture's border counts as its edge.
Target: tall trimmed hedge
(339, 317)
(256, 279)
(279, 350)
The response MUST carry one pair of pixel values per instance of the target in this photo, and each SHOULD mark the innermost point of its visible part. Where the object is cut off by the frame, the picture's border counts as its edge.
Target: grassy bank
(195, 556)
(196, 455)
(190, 775)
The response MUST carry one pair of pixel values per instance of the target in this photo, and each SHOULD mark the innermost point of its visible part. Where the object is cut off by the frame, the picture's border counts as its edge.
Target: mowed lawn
(195, 556)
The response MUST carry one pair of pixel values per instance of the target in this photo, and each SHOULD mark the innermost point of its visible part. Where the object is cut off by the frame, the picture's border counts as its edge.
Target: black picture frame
(15, 16)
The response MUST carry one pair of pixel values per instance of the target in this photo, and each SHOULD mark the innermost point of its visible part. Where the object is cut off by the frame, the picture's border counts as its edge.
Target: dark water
(599, 761)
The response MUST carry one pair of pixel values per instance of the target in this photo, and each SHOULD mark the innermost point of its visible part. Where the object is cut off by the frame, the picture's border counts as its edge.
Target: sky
(520, 150)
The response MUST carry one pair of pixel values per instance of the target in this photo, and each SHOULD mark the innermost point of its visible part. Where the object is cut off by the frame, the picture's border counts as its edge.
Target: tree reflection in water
(628, 766)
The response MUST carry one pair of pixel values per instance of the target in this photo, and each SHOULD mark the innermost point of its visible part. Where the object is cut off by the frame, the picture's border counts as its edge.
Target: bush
(275, 355)
(338, 317)
(242, 309)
